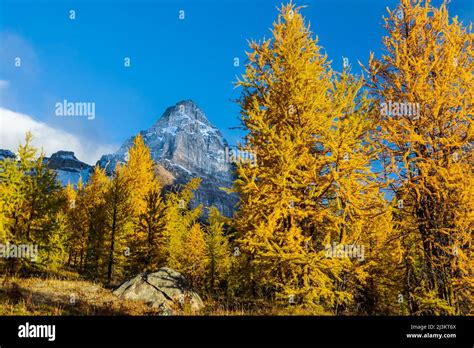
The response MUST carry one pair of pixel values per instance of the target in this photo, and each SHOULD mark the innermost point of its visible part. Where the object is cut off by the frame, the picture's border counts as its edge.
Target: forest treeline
(359, 201)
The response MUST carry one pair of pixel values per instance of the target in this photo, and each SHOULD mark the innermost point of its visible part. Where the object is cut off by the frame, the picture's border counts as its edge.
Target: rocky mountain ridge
(183, 144)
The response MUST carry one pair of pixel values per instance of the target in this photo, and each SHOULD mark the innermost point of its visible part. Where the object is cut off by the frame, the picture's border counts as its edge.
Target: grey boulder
(165, 289)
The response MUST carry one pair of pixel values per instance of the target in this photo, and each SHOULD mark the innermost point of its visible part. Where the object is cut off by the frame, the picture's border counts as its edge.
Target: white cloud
(13, 127)
(4, 84)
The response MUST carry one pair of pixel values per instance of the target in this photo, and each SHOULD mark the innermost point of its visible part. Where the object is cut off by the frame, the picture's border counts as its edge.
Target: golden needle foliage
(312, 185)
(428, 153)
(358, 198)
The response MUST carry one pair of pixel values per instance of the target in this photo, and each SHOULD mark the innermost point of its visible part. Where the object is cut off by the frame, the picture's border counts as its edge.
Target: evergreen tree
(33, 206)
(11, 194)
(423, 89)
(313, 184)
(138, 172)
(151, 244)
(119, 223)
(194, 260)
(217, 251)
(90, 221)
(179, 219)
(144, 201)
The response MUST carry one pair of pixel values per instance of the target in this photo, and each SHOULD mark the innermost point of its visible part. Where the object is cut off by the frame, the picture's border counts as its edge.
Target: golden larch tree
(312, 185)
(423, 89)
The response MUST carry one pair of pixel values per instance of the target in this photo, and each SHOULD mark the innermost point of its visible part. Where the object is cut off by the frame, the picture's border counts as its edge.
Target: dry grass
(37, 296)
(60, 296)
(253, 307)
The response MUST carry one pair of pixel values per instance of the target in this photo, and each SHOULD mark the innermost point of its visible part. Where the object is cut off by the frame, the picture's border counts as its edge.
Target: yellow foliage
(428, 66)
(313, 183)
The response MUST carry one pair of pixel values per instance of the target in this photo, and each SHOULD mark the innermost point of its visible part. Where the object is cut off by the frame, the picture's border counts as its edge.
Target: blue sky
(171, 59)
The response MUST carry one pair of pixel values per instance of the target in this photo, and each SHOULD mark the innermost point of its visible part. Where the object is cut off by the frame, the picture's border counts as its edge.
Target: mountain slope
(185, 144)
(69, 168)
(65, 163)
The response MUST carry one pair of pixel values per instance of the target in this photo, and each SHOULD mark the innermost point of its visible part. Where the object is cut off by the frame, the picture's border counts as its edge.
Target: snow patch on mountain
(69, 168)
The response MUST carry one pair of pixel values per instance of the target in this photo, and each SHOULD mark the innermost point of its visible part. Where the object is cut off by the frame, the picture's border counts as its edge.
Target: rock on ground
(165, 289)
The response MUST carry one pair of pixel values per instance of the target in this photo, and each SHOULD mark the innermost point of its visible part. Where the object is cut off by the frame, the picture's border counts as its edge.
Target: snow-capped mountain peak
(187, 145)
